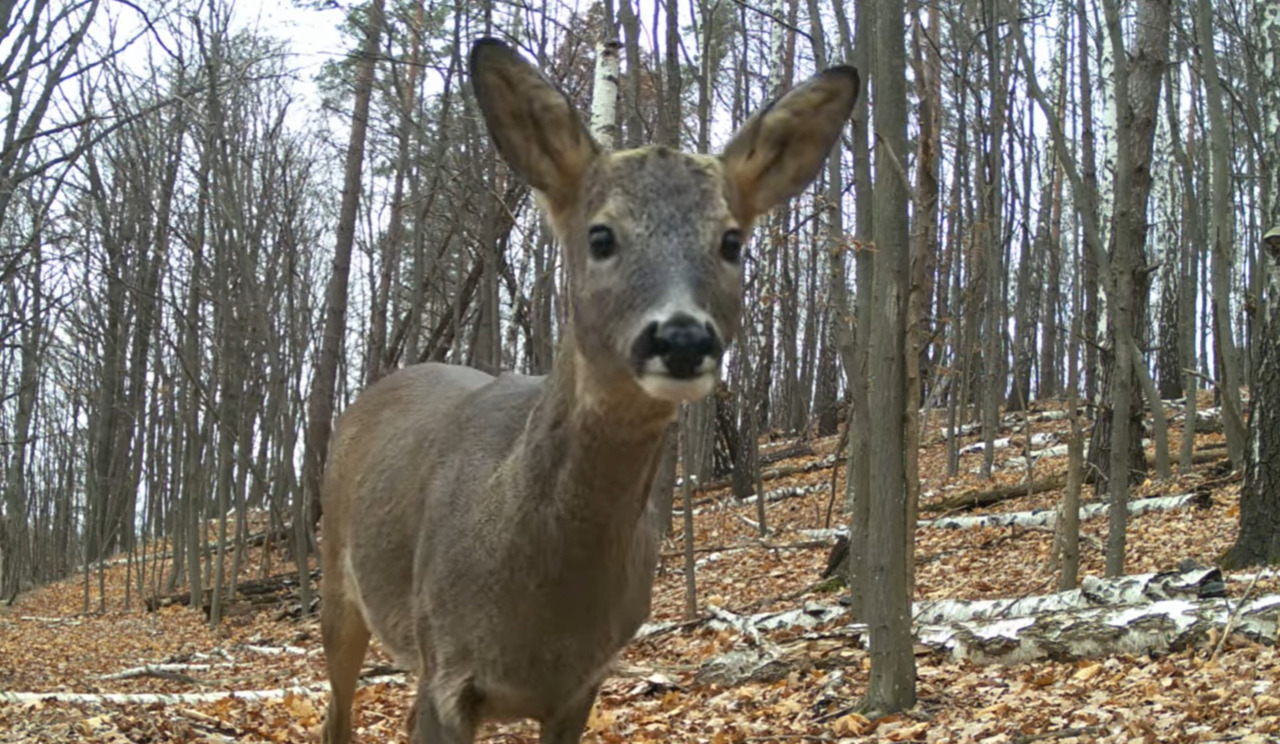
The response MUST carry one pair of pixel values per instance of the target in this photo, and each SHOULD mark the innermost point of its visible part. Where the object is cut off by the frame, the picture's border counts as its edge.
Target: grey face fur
(668, 215)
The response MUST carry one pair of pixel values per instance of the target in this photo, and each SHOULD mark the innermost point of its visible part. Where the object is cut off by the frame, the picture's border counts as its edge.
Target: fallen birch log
(975, 499)
(781, 471)
(1034, 518)
(1020, 461)
(1093, 592)
(319, 688)
(777, 494)
(962, 430)
(1068, 635)
(50, 620)
(971, 500)
(280, 650)
(151, 670)
(1047, 517)
(1156, 628)
(1043, 439)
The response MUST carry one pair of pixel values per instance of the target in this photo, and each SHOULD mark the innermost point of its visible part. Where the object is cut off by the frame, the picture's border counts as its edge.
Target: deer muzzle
(678, 358)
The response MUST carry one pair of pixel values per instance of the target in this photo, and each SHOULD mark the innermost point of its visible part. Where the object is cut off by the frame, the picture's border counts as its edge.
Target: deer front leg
(442, 717)
(567, 726)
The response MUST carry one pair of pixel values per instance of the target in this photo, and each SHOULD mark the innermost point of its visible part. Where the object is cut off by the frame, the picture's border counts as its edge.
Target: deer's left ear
(781, 148)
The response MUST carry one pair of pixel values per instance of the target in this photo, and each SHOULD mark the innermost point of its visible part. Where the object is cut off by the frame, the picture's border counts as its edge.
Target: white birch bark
(1047, 517)
(1154, 628)
(604, 95)
(148, 670)
(313, 690)
(1033, 518)
(1068, 633)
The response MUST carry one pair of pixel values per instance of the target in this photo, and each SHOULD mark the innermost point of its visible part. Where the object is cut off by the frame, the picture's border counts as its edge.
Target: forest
(995, 454)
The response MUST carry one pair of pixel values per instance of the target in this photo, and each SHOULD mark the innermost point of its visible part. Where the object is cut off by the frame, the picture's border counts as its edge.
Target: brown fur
(495, 533)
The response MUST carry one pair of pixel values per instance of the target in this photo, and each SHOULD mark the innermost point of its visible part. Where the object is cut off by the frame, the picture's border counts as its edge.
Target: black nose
(682, 343)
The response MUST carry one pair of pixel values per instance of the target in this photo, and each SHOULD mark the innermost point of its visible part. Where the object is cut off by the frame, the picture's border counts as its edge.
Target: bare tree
(891, 686)
(1258, 541)
(323, 383)
(1221, 235)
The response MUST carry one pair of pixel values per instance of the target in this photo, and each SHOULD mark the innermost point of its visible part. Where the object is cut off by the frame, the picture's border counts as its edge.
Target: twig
(841, 446)
(1235, 614)
(838, 713)
(674, 628)
(1058, 734)
(788, 597)
(757, 545)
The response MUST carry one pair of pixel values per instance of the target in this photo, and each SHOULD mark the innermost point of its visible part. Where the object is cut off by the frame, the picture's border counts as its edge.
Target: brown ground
(48, 645)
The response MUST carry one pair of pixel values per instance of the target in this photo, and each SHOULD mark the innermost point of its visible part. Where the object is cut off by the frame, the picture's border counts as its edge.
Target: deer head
(654, 238)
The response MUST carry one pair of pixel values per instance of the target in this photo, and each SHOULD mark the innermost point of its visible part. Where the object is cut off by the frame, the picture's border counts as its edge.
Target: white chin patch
(665, 387)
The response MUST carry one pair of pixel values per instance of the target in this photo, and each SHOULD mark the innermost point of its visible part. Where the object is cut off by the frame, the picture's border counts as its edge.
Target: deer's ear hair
(531, 122)
(781, 148)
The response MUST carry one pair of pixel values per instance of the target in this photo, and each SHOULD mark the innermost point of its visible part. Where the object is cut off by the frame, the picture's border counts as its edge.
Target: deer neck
(593, 442)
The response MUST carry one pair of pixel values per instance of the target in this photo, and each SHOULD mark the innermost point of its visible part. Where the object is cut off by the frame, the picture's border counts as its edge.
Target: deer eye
(731, 246)
(601, 242)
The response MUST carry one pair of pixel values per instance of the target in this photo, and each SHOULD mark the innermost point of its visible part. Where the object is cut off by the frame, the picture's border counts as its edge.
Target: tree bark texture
(891, 686)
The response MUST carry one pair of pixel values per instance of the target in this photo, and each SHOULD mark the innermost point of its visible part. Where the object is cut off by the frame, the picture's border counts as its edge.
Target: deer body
(495, 533)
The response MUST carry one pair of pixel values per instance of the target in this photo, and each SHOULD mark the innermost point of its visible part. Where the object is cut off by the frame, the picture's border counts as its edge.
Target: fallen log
(1206, 583)
(971, 500)
(1042, 439)
(769, 475)
(1020, 462)
(974, 500)
(1094, 592)
(1156, 628)
(268, 590)
(1038, 517)
(1048, 517)
(313, 690)
(1208, 455)
(151, 670)
(1067, 635)
(797, 449)
(777, 494)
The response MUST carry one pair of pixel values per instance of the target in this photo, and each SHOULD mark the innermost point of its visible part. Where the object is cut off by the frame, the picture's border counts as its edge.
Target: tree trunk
(1137, 96)
(15, 557)
(1189, 252)
(635, 134)
(1258, 541)
(1222, 240)
(1087, 204)
(858, 480)
(991, 204)
(1068, 528)
(1050, 380)
(320, 401)
(891, 685)
(604, 95)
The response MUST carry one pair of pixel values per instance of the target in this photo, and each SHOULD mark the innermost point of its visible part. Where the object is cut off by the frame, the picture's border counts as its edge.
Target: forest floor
(1211, 689)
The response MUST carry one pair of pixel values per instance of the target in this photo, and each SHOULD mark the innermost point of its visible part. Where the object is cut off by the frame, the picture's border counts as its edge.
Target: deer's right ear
(532, 123)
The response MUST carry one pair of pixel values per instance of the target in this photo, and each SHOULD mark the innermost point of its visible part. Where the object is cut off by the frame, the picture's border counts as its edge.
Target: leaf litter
(809, 691)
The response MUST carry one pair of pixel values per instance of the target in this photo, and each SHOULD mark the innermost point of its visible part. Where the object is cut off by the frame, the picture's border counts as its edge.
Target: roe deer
(495, 532)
